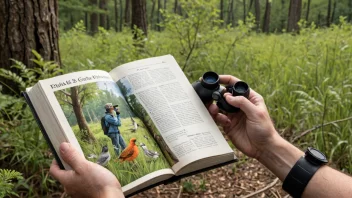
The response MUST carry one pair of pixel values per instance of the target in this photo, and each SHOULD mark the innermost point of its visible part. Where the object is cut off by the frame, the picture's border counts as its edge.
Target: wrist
(279, 156)
(111, 192)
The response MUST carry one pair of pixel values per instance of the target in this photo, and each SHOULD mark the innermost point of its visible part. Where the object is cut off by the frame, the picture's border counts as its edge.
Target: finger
(256, 98)
(244, 104)
(56, 172)
(71, 156)
(228, 79)
(222, 119)
(213, 109)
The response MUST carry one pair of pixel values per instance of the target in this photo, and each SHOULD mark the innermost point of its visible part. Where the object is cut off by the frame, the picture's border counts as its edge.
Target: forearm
(328, 182)
(281, 156)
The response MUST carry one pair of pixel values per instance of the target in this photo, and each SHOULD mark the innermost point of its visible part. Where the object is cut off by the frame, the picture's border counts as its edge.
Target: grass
(126, 172)
(306, 79)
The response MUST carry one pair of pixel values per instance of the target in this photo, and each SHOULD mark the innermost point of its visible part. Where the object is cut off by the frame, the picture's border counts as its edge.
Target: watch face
(316, 156)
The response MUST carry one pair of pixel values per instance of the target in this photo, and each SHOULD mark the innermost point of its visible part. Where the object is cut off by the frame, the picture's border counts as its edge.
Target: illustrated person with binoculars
(112, 122)
(250, 130)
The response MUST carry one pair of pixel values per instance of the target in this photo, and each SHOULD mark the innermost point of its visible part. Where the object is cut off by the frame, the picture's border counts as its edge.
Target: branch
(263, 189)
(180, 191)
(63, 100)
(66, 93)
(317, 127)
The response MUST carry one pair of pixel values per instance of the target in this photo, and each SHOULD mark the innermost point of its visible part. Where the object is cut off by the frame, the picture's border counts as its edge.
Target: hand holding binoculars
(209, 89)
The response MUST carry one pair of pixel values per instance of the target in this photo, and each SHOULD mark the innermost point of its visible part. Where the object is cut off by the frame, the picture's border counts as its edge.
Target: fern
(7, 179)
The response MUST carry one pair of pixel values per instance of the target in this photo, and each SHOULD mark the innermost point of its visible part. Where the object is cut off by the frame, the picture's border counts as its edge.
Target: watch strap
(299, 176)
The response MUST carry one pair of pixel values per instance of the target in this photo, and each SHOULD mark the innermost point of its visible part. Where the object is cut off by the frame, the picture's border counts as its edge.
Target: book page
(167, 103)
(80, 100)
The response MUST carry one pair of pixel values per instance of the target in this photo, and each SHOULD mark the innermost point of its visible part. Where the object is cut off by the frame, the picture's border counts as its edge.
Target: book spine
(41, 127)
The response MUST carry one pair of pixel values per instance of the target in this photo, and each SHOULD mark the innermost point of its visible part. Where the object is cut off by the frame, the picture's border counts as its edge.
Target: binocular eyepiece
(209, 89)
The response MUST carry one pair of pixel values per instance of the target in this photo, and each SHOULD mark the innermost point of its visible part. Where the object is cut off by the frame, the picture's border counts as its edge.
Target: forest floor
(240, 179)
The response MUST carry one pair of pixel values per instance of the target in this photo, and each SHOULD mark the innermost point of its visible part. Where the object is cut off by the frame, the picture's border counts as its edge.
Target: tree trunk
(175, 6)
(244, 12)
(93, 18)
(294, 15)
(102, 17)
(81, 120)
(139, 16)
(349, 10)
(165, 2)
(116, 16)
(121, 15)
(266, 25)
(128, 13)
(86, 20)
(222, 10)
(152, 15)
(27, 26)
(328, 16)
(257, 14)
(107, 22)
(89, 116)
(333, 12)
(158, 17)
(308, 10)
(283, 15)
(230, 13)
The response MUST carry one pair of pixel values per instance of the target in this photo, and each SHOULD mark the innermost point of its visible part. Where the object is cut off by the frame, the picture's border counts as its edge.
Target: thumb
(72, 157)
(244, 104)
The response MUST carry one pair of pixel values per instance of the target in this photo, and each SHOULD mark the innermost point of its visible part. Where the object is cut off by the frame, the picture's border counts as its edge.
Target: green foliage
(22, 146)
(305, 78)
(126, 172)
(7, 179)
(188, 186)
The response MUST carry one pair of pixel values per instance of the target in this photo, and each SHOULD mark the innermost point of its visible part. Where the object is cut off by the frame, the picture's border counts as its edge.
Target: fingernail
(64, 147)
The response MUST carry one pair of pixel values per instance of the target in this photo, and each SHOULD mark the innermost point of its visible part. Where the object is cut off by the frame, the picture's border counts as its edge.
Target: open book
(143, 121)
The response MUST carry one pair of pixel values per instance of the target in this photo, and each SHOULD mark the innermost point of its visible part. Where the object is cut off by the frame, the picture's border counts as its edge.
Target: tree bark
(266, 25)
(222, 10)
(116, 16)
(102, 17)
(159, 16)
(349, 10)
(93, 18)
(283, 15)
(27, 26)
(81, 120)
(86, 19)
(244, 12)
(308, 10)
(230, 13)
(139, 16)
(294, 15)
(328, 15)
(175, 6)
(257, 14)
(152, 15)
(333, 11)
(121, 15)
(128, 13)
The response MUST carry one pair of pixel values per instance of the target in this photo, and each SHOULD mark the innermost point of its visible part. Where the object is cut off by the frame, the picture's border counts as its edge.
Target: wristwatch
(304, 169)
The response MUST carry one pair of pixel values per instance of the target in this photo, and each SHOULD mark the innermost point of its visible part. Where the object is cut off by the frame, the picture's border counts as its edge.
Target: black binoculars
(209, 89)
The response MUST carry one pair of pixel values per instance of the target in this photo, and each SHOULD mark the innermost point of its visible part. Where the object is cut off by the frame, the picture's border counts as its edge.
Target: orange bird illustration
(131, 151)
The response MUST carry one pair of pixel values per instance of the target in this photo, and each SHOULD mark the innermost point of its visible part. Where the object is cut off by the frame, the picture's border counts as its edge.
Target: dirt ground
(235, 180)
